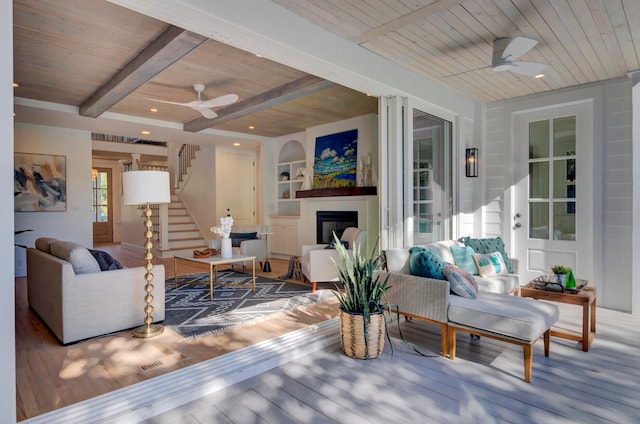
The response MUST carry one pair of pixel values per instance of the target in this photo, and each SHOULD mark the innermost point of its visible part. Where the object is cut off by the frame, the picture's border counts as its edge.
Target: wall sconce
(471, 162)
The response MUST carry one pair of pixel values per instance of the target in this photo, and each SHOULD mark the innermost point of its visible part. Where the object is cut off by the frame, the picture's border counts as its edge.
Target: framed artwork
(39, 183)
(335, 160)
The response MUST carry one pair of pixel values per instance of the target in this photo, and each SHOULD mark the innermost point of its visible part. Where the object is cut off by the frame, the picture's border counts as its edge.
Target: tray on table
(549, 283)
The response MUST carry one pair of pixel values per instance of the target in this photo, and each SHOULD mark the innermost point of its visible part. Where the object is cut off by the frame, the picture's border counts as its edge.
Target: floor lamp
(145, 188)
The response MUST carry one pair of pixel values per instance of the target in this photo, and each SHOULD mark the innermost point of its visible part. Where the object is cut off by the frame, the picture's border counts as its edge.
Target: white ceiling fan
(204, 106)
(507, 50)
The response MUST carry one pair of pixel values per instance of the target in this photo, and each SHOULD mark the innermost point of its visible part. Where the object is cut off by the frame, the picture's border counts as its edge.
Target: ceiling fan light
(540, 75)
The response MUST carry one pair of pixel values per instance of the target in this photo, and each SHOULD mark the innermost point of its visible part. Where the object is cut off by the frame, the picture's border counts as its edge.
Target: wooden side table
(585, 297)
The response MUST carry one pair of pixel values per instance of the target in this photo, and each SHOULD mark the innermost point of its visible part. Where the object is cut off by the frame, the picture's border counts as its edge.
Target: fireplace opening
(329, 221)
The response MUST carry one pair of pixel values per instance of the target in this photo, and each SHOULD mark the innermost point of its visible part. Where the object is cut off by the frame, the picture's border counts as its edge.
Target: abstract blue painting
(335, 160)
(40, 183)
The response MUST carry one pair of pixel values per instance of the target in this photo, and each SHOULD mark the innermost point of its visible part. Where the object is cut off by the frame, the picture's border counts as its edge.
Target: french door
(102, 208)
(553, 197)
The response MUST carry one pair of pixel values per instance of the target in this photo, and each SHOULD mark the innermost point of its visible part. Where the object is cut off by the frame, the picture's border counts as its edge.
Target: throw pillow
(461, 282)
(488, 245)
(238, 238)
(332, 244)
(426, 263)
(105, 260)
(463, 258)
(78, 256)
(490, 264)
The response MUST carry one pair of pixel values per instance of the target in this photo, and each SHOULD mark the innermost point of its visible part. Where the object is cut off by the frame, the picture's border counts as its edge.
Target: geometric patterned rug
(190, 312)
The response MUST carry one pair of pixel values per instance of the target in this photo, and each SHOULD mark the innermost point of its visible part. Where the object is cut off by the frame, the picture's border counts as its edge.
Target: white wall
(74, 224)
(7, 284)
(610, 179)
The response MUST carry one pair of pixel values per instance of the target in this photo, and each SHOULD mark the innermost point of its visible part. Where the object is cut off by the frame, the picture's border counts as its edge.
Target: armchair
(316, 259)
(251, 247)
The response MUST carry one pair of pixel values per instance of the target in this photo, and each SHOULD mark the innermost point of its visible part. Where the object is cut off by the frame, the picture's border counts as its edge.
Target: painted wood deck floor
(483, 385)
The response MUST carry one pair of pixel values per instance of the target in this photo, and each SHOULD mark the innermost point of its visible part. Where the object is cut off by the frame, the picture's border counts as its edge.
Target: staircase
(184, 235)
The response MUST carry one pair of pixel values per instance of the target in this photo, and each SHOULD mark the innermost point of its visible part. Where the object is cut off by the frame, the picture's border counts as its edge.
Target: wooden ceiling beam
(170, 46)
(276, 96)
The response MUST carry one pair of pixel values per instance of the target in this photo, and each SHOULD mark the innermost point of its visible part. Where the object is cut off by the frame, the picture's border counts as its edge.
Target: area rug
(190, 312)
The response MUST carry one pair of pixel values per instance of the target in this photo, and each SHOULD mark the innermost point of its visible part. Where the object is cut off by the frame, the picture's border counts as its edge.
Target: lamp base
(266, 267)
(148, 331)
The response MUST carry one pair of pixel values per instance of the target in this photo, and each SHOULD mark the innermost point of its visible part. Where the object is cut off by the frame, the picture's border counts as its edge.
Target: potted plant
(561, 272)
(360, 292)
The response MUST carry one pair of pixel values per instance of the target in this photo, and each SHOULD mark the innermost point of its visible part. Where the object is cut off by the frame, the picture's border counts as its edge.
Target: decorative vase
(225, 248)
(352, 335)
(561, 278)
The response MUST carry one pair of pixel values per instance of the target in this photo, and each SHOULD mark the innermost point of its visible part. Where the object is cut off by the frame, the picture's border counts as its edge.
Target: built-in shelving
(290, 161)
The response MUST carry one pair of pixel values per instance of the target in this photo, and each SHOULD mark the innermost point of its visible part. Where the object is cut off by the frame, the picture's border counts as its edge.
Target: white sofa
(494, 313)
(76, 300)
(252, 247)
(317, 260)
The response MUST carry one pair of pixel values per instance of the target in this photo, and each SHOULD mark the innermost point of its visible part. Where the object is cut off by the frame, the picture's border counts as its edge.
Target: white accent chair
(253, 247)
(317, 265)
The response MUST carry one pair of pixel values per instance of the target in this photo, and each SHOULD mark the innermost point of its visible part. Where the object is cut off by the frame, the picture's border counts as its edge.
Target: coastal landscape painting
(335, 160)
(40, 183)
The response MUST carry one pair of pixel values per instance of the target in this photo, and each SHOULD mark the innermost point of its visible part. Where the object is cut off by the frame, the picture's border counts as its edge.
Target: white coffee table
(214, 262)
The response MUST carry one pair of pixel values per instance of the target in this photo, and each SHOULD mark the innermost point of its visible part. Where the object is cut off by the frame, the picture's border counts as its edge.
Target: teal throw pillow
(463, 258)
(426, 263)
(488, 245)
(461, 282)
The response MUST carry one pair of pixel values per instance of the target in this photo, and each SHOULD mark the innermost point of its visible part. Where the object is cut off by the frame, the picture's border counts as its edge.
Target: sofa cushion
(461, 282)
(426, 263)
(463, 258)
(490, 264)
(505, 283)
(238, 238)
(78, 256)
(44, 243)
(488, 245)
(443, 249)
(512, 316)
(398, 260)
(105, 260)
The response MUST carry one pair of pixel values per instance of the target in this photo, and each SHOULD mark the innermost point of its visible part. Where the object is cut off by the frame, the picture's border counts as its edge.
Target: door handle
(518, 225)
(516, 216)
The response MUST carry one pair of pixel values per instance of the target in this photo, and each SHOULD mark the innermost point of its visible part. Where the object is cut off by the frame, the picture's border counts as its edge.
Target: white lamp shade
(142, 187)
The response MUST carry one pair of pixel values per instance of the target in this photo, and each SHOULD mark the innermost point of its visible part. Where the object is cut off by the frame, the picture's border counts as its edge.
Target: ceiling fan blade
(219, 101)
(517, 47)
(207, 113)
(189, 104)
(528, 68)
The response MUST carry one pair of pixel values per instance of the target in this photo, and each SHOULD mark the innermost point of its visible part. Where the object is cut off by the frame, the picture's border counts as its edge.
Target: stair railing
(186, 154)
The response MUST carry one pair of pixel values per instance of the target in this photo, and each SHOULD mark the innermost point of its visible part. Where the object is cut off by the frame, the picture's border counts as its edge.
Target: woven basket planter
(352, 336)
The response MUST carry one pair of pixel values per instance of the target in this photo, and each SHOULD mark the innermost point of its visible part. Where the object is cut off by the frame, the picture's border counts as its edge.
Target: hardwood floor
(50, 376)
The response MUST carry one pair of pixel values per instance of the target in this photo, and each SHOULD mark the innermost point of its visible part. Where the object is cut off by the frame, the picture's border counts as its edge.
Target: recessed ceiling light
(540, 76)
(145, 132)
(153, 109)
(251, 127)
(258, 55)
(236, 144)
(15, 84)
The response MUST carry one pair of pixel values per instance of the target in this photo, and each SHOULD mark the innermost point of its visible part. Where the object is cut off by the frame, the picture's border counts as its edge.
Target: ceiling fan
(204, 106)
(507, 50)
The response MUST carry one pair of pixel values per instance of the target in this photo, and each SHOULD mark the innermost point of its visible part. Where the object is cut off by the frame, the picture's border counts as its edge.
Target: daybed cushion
(516, 317)
(105, 260)
(461, 282)
(77, 255)
(498, 283)
(44, 243)
(426, 263)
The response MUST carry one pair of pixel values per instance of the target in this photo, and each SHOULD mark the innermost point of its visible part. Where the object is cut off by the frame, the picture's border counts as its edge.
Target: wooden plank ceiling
(101, 57)
(451, 41)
